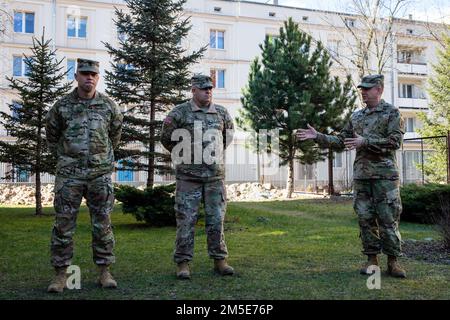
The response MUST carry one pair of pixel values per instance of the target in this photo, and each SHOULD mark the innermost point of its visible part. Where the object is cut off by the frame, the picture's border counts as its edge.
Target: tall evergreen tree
(290, 87)
(25, 123)
(149, 74)
(437, 122)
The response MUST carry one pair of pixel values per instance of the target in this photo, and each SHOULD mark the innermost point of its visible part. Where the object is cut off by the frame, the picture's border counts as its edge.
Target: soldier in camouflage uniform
(197, 177)
(376, 132)
(83, 129)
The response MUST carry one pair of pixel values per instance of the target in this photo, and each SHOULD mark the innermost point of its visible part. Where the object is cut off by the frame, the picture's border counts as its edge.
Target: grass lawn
(301, 249)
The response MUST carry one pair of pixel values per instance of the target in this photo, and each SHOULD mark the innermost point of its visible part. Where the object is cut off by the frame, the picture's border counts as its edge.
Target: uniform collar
(76, 99)
(195, 108)
(378, 108)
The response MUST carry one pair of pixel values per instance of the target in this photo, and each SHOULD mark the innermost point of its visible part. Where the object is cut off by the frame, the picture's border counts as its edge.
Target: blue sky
(431, 10)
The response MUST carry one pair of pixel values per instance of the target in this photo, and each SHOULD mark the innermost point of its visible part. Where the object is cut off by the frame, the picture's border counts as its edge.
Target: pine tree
(149, 75)
(290, 87)
(437, 122)
(25, 123)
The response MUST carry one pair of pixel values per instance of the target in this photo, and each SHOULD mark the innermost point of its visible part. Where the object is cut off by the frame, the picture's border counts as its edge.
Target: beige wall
(245, 25)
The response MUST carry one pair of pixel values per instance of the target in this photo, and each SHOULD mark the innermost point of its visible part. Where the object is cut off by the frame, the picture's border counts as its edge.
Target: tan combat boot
(106, 280)
(394, 268)
(59, 281)
(372, 260)
(183, 271)
(221, 266)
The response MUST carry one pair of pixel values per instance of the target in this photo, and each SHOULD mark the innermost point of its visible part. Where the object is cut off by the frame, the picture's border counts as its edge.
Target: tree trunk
(151, 148)
(290, 178)
(37, 170)
(38, 196)
(448, 157)
(330, 172)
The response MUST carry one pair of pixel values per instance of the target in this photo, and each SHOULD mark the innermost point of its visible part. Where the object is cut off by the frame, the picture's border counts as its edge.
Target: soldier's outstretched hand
(305, 134)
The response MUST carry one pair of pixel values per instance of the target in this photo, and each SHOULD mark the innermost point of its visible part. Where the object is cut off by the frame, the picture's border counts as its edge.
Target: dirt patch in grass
(427, 251)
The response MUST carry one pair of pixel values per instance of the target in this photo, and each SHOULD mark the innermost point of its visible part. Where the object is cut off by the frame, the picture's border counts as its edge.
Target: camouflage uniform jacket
(382, 129)
(183, 116)
(84, 134)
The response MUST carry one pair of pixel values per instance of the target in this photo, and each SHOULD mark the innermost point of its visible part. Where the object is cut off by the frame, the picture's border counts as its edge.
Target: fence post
(448, 157)
(421, 148)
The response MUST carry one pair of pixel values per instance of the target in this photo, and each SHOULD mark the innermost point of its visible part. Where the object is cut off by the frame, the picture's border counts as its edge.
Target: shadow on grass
(139, 226)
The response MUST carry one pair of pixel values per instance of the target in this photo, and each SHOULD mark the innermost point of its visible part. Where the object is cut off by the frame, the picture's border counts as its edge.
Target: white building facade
(233, 30)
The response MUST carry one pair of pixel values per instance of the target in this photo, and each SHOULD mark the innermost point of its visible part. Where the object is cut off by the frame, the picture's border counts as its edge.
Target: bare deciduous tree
(368, 42)
(5, 19)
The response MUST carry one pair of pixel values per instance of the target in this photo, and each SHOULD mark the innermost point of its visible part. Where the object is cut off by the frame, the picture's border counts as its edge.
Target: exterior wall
(245, 25)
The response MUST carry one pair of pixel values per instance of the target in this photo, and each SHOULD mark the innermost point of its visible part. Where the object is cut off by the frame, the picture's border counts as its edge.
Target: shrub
(422, 204)
(442, 220)
(155, 205)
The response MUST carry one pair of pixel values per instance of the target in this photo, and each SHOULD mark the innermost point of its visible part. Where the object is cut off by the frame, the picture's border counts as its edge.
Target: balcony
(411, 103)
(415, 68)
(411, 135)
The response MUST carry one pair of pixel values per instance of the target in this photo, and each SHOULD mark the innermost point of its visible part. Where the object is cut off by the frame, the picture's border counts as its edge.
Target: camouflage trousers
(378, 206)
(100, 201)
(187, 202)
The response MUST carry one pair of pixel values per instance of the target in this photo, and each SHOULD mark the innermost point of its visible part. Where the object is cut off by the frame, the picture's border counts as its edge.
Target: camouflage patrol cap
(201, 81)
(371, 81)
(88, 65)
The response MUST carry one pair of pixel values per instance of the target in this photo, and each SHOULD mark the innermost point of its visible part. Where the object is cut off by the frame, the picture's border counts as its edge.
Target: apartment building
(233, 31)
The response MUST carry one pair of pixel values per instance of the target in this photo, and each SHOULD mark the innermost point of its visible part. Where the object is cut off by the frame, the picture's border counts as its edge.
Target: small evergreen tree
(290, 87)
(437, 122)
(25, 123)
(150, 73)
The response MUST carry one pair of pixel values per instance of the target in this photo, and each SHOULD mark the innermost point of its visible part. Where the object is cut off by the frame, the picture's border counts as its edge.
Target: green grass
(302, 249)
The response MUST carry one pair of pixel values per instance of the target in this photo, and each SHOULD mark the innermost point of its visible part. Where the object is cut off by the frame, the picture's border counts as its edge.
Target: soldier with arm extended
(202, 125)
(83, 128)
(376, 132)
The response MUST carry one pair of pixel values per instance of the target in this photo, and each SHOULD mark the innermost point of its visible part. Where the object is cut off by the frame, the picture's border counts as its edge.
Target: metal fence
(413, 161)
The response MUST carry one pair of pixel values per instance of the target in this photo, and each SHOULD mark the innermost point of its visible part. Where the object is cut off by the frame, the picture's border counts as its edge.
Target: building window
(20, 68)
(217, 39)
(337, 160)
(410, 124)
(121, 35)
(124, 172)
(333, 47)
(406, 91)
(404, 56)
(24, 22)
(71, 63)
(124, 67)
(350, 22)
(21, 175)
(16, 106)
(76, 27)
(411, 56)
(410, 91)
(218, 78)
(15, 113)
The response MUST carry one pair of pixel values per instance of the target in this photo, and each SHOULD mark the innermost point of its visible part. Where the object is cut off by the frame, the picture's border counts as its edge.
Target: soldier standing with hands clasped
(376, 132)
(199, 179)
(83, 129)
